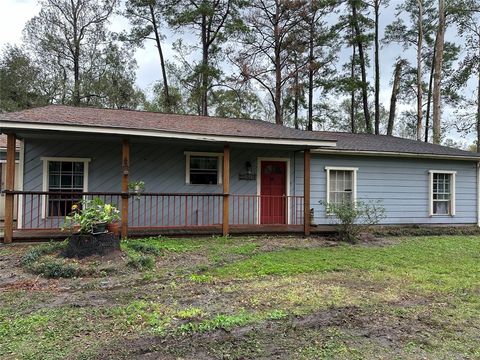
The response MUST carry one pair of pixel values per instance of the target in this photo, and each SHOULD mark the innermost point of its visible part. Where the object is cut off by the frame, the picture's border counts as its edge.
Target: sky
(15, 13)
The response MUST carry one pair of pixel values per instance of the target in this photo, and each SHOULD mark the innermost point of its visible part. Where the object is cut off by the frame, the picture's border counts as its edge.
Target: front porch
(239, 202)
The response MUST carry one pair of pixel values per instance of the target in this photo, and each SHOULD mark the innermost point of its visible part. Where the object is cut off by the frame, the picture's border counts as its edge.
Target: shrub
(352, 218)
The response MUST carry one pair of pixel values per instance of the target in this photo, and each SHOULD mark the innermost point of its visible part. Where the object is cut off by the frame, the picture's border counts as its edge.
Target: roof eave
(395, 154)
(307, 143)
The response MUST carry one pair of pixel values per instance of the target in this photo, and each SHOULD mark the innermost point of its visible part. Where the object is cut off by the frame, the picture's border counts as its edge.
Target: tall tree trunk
(76, 78)
(295, 100)
(478, 111)
(393, 99)
(429, 97)
(353, 128)
(419, 71)
(437, 76)
(361, 56)
(204, 74)
(377, 69)
(278, 70)
(310, 68)
(162, 61)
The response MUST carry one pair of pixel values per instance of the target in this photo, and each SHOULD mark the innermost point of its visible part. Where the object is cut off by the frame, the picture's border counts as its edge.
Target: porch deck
(56, 234)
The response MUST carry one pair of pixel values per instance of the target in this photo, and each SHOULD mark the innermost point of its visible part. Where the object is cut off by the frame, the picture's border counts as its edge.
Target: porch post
(125, 173)
(306, 192)
(226, 189)
(9, 186)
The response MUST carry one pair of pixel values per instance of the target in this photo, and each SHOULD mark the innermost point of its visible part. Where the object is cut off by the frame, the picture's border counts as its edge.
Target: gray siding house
(213, 175)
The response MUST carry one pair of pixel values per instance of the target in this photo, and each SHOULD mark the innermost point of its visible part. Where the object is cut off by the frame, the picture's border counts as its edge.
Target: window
(341, 185)
(442, 192)
(203, 168)
(67, 176)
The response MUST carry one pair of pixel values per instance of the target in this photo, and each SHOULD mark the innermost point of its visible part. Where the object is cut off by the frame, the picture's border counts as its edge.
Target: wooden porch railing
(39, 210)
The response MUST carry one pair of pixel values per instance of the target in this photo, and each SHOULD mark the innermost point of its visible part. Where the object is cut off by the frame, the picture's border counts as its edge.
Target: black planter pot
(99, 228)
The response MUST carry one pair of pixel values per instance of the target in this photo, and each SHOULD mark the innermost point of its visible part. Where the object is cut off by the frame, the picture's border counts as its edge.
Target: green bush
(352, 218)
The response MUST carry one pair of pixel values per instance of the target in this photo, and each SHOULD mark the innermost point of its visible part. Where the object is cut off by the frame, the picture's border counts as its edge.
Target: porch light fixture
(248, 168)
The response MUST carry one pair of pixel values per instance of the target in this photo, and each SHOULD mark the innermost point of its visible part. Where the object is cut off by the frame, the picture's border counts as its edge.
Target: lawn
(245, 298)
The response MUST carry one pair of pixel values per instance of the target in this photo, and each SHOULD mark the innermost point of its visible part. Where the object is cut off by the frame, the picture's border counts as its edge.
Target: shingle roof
(143, 120)
(192, 124)
(349, 142)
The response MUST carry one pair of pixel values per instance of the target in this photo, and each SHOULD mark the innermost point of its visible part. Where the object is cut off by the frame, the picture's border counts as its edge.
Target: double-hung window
(341, 185)
(442, 192)
(69, 178)
(203, 168)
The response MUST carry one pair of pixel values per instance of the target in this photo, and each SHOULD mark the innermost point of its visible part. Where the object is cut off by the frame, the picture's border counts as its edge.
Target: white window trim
(452, 196)
(354, 180)
(188, 154)
(45, 184)
(286, 160)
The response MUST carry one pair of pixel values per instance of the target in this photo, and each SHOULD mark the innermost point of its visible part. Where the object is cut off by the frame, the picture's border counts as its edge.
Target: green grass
(156, 245)
(435, 263)
(425, 290)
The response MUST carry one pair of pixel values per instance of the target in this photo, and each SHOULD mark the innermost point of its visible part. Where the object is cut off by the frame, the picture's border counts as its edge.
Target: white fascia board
(165, 134)
(393, 154)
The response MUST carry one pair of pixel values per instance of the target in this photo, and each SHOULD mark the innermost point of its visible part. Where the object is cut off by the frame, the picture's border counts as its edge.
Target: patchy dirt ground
(250, 298)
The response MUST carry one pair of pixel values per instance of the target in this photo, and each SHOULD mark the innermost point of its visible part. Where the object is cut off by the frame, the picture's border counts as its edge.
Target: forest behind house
(308, 64)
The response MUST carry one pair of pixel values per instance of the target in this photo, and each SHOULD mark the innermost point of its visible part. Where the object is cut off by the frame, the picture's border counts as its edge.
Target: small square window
(203, 169)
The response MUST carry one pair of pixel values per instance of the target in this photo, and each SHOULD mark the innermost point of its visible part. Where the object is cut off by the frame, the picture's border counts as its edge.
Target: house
(217, 175)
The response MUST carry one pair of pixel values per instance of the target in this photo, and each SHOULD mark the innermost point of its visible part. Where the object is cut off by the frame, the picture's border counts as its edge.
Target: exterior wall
(401, 184)
(162, 167)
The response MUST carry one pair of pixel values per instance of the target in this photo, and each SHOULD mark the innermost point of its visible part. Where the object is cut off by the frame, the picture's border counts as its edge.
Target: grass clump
(39, 260)
(141, 261)
(35, 253)
(53, 268)
(145, 247)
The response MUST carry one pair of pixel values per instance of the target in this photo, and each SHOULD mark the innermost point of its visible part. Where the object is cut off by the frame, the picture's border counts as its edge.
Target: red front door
(273, 192)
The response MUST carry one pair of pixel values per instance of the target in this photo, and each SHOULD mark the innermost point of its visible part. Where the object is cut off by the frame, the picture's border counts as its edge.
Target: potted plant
(111, 215)
(136, 187)
(93, 216)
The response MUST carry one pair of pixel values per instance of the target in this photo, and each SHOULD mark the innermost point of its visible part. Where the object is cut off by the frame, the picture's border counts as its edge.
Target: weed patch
(35, 253)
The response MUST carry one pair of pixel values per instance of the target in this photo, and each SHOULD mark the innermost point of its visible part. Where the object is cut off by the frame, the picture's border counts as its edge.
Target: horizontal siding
(161, 166)
(402, 186)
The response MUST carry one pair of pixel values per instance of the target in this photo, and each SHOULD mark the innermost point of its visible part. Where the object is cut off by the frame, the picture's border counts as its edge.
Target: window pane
(441, 191)
(78, 167)
(54, 181)
(204, 170)
(67, 166)
(441, 207)
(78, 181)
(341, 186)
(54, 166)
(65, 176)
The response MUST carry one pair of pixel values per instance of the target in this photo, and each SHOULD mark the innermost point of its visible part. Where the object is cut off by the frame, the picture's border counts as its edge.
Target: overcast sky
(15, 13)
